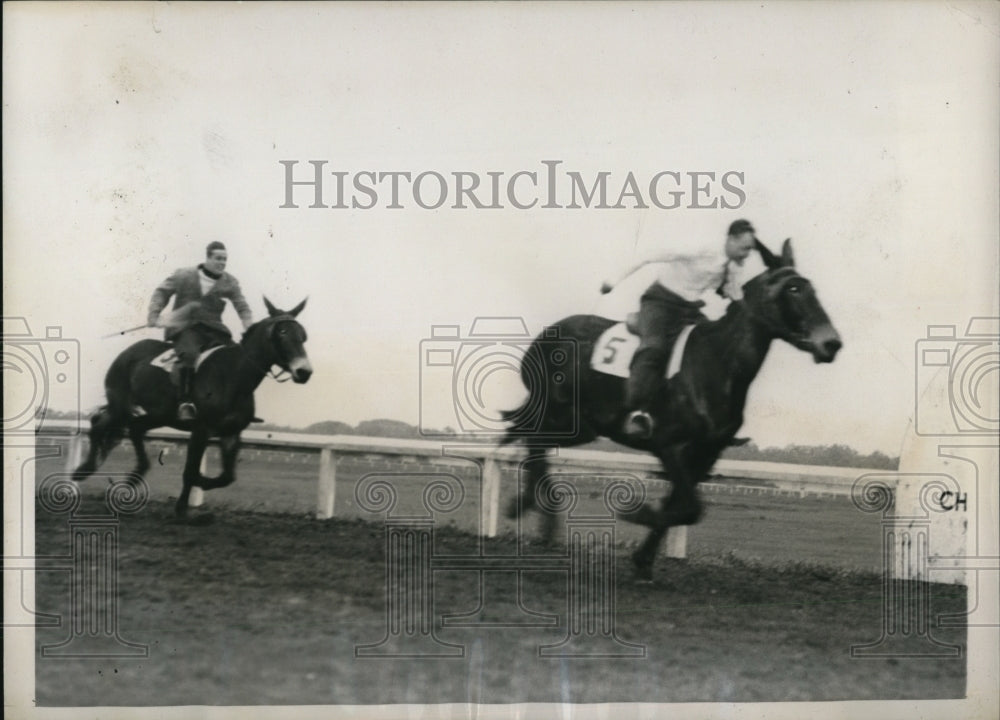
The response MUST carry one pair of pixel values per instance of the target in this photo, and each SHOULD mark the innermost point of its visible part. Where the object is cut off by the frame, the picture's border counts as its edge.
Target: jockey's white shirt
(694, 275)
(206, 281)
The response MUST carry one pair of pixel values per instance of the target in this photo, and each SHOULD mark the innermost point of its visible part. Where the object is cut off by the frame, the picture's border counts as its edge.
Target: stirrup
(638, 425)
(187, 411)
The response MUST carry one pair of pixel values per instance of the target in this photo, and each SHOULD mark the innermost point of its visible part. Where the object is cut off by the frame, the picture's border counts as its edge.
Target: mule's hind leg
(548, 501)
(532, 469)
(137, 434)
(536, 493)
(105, 433)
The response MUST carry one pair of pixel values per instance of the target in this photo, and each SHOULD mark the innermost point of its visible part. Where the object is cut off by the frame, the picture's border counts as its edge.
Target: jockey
(669, 304)
(196, 322)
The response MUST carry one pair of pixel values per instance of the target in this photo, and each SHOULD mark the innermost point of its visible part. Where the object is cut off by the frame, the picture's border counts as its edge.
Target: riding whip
(123, 332)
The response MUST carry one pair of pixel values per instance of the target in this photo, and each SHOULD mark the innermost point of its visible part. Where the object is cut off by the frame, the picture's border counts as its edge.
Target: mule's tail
(518, 424)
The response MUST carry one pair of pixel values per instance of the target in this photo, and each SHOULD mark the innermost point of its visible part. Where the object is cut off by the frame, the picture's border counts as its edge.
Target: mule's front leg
(192, 471)
(137, 434)
(681, 507)
(230, 446)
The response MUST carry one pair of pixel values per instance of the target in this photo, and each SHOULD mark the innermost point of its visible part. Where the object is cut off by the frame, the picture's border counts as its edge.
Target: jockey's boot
(186, 410)
(645, 378)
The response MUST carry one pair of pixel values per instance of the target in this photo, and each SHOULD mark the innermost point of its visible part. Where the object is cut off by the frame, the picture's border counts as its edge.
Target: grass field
(266, 604)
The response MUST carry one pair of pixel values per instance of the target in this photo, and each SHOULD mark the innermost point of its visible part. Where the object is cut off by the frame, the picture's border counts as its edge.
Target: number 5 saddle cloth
(614, 350)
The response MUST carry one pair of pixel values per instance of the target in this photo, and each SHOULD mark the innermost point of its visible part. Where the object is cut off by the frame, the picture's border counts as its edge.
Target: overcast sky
(134, 135)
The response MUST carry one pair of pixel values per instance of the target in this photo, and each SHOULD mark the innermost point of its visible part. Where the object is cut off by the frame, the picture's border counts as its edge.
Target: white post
(677, 540)
(74, 453)
(197, 496)
(490, 509)
(326, 489)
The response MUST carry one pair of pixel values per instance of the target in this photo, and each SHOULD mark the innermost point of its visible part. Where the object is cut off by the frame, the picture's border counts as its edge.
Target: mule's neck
(744, 342)
(255, 362)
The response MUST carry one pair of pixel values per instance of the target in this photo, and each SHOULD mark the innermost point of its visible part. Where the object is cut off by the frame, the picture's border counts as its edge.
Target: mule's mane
(740, 310)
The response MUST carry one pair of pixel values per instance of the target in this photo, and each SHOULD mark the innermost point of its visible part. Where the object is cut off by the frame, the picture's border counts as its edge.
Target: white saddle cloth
(615, 348)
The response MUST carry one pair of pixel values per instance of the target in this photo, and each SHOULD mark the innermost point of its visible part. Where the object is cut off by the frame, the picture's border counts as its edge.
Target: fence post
(74, 453)
(490, 510)
(677, 541)
(326, 488)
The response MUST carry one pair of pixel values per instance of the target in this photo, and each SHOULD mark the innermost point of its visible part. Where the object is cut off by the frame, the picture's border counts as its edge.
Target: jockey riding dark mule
(672, 302)
(695, 414)
(196, 324)
(141, 396)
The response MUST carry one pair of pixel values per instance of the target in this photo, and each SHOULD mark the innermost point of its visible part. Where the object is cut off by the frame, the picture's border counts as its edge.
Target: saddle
(170, 362)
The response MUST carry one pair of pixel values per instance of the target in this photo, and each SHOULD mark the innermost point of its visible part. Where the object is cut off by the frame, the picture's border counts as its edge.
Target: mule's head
(287, 339)
(786, 304)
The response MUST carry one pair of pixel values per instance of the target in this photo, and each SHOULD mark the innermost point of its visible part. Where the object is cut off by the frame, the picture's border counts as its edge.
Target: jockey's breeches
(188, 344)
(662, 316)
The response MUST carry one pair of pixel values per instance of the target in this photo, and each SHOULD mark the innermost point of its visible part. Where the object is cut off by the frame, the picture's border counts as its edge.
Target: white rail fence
(800, 480)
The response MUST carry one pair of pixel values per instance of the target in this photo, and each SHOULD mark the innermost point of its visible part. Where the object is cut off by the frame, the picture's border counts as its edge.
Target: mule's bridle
(778, 279)
(268, 371)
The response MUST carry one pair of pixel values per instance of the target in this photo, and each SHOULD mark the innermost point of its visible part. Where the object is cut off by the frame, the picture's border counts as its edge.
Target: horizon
(452, 435)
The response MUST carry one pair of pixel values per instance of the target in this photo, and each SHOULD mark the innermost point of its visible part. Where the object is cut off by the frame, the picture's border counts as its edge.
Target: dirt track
(268, 608)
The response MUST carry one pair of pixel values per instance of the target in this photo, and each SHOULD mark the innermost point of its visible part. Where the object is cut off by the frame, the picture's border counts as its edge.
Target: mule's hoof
(194, 520)
(81, 474)
(643, 568)
(644, 574)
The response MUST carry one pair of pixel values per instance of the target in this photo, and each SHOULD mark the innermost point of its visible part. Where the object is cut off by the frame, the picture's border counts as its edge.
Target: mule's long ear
(787, 258)
(294, 312)
(769, 258)
(271, 310)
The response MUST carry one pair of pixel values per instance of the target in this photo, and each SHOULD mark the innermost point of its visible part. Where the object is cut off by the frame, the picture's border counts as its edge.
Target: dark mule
(697, 413)
(222, 390)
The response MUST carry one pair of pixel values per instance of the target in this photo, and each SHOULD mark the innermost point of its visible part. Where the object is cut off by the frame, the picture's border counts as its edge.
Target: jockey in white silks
(673, 301)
